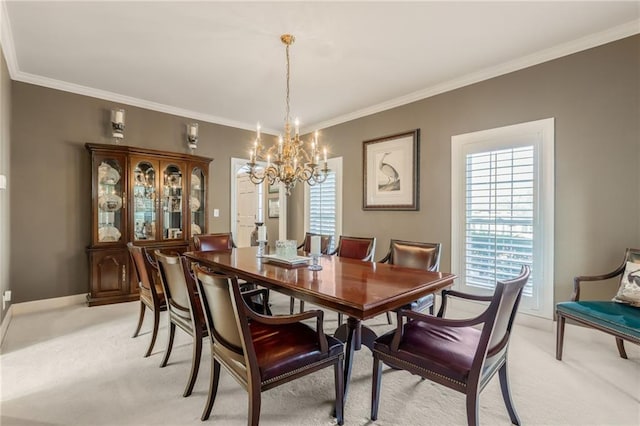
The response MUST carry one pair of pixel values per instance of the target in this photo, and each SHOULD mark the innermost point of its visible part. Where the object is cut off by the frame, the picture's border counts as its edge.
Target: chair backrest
(174, 284)
(415, 255)
(325, 242)
(221, 314)
(211, 242)
(143, 268)
(500, 315)
(361, 248)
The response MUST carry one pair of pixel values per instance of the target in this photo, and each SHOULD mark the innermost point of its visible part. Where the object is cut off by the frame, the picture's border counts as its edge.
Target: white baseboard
(46, 304)
(5, 323)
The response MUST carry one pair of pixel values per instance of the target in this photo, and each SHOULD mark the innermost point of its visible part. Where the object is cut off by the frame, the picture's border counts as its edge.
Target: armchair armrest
(292, 319)
(386, 258)
(264, 292)
(430, 319)
(577, 280)
(461, 295)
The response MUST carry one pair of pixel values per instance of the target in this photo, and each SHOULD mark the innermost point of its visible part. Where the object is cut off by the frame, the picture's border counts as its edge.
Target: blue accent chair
(620, 320)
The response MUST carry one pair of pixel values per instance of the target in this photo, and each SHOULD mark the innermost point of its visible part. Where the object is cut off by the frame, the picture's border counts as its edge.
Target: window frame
(540, 134)
(335, 165)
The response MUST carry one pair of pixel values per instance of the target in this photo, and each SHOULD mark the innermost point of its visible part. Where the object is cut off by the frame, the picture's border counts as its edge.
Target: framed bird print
(391, 174)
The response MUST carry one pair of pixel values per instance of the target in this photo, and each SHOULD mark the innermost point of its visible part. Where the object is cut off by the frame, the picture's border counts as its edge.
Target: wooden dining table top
(359, 289)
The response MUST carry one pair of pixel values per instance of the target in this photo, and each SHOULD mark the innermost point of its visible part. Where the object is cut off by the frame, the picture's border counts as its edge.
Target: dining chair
(361, 248)
(151, 293)
(454, 352)
(325, 244)
(262, 352)
(209, 242)
(184, 309)
(417, 255)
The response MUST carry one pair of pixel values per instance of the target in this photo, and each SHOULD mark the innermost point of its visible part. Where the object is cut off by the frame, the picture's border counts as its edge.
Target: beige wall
(50, 204)
(5, 141)
(594, 96)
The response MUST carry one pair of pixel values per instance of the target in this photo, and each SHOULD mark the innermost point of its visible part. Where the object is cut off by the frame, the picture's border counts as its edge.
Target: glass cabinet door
(172, 206)
(110, 187)
(144, 200)
(197, 201)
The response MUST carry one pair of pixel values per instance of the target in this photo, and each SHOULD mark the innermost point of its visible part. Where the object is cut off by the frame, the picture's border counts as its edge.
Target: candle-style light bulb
(268, 161)
(297, 123)
(325, 156)
(258, 130)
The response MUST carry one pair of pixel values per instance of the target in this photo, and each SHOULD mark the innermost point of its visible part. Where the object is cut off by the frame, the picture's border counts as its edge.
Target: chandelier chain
(287, 118)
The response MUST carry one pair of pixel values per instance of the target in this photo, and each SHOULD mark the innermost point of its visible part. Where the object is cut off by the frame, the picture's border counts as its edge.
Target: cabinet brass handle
(124, 200)
(124, 274)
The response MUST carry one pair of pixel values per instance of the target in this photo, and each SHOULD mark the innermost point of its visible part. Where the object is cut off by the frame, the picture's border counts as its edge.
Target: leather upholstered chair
(454, 353)
(325, 244)
(262, 352)
(415, 255)
(210, 242)
(184, 309)
(361, 248)
(621, 320)
(151, 293)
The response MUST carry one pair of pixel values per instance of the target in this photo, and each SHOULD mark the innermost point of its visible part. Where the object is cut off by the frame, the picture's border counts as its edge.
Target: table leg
(354, 334)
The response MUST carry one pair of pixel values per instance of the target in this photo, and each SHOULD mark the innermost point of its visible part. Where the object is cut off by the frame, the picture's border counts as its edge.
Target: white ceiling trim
(6, 41)
(580, 44)
(588, 42)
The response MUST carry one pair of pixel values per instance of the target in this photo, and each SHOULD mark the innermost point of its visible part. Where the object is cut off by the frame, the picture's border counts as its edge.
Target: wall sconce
(192, 136)
(117, 124)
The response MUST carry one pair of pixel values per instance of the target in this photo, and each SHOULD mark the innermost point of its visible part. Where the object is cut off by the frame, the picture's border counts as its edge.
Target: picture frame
(175, 204)
(274, 208)
(391, 172)
(274, 188)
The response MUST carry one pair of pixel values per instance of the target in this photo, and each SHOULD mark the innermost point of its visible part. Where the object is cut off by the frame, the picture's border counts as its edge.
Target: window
(502, 210)
(323, 204)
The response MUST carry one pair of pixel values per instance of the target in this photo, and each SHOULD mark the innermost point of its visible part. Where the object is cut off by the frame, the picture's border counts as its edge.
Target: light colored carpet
(79, 366)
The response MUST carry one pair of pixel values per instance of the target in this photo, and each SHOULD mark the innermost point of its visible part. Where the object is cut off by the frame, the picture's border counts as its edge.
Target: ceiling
(223, 62)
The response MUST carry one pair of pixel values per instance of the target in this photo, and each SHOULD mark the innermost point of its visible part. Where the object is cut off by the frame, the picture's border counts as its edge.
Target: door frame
(236, 165)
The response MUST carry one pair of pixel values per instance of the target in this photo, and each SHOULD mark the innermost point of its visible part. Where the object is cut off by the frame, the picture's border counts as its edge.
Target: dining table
(361, 290)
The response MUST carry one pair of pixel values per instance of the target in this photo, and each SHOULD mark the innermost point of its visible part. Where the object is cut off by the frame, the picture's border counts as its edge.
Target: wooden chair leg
(621, 351)
(154, 335)
(375, 387)
(302, 306)
(339, 320)
(560, 337)
(195, 363)
(213, 389)
(389, 317)
(140, 320)
(292, 303)
(472, 407)
(339, 379)
(167, 352)
(254, 404)
(506, 394)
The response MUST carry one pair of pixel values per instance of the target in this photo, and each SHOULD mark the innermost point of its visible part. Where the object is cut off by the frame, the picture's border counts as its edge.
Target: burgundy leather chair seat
(284, 348)
(445, 350)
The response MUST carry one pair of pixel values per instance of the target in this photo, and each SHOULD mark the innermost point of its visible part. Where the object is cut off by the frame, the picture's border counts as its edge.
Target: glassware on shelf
(110, 202)
(107, 174)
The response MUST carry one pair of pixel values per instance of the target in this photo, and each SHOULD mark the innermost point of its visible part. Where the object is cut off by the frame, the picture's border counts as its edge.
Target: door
(246, 208)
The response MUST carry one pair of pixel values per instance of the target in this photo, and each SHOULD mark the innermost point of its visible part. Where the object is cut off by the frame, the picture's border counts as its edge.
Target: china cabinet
(156, 199)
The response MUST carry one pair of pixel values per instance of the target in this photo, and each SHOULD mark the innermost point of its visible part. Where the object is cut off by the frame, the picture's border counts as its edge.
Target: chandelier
(287, 161)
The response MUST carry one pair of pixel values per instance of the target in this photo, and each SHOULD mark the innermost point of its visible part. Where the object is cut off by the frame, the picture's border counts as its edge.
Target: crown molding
(129, 100)
(6, 41)
(584, 43)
